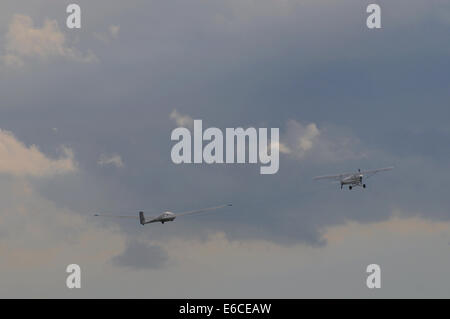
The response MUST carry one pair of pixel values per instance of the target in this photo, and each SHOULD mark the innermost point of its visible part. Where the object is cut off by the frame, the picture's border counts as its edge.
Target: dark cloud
(379, 93)
(140, 255)
(234, 65)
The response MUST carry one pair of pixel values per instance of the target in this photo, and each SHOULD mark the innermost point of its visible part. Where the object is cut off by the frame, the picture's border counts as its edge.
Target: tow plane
(353, 179)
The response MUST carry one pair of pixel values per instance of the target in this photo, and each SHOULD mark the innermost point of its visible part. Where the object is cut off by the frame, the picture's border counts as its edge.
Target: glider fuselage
(165, 217)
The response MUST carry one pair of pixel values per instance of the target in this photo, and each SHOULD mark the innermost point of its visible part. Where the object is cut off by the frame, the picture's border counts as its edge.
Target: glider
(164, 217)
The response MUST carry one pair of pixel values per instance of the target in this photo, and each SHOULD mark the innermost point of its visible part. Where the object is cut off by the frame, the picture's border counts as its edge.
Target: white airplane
(353, 179)
(164, 217)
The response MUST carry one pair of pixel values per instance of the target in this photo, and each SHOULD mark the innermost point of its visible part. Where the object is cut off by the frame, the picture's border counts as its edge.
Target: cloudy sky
(85, 123)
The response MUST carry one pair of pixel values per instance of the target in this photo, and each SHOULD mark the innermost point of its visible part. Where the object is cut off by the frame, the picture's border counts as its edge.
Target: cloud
(404, 247)
(303, 137)
(19, 160)
(114, 160)
(23, 40)
(328, 144)
(206, 69)
(140, 255)
(114, 30)
(282, 148)
(397, 223)
(12, 61)
(106, 37)
(39, 239)
(182, 120)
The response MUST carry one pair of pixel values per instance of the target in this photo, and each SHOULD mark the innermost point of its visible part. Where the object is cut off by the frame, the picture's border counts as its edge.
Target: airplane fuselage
(353, 180)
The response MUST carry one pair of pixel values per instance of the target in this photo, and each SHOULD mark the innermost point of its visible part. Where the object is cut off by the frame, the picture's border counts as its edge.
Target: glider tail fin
(141, 218)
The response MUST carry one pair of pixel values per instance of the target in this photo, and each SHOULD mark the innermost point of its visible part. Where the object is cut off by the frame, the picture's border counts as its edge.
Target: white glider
(164, 217)
(353, 179)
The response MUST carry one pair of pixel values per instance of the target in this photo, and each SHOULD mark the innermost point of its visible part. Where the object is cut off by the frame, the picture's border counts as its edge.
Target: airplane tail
(141, 218)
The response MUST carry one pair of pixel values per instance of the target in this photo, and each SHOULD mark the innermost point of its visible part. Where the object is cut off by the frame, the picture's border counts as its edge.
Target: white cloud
(305, 137)
(19, 160)
(114, 160)
(282, 148)
(23, 40)
(326, 144)
(182, 120)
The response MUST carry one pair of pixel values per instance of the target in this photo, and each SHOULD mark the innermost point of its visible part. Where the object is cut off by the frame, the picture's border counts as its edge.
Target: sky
(86, 117)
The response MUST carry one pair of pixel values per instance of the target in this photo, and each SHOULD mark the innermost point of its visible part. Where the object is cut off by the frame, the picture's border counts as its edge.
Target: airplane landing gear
(350, 188)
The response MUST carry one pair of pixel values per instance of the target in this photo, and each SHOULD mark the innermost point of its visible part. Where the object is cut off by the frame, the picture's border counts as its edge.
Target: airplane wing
(372, 172)
(117, 216)
(333, 177)
(203, 210)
